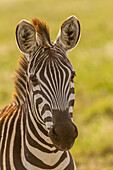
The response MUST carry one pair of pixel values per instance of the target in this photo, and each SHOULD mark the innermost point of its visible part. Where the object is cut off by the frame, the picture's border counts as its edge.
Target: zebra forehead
(52, 56)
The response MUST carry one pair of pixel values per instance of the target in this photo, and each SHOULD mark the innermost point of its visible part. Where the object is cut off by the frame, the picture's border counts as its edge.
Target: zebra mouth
(62, 147)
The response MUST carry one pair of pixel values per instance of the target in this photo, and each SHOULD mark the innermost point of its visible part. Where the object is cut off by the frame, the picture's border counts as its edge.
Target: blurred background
(92, 59)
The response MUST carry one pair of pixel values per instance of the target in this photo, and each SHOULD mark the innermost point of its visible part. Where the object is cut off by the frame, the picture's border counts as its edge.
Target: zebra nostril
(75, 132)
(54, 134)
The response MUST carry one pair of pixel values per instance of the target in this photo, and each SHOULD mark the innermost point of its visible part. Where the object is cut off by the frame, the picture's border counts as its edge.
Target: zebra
(36, 128)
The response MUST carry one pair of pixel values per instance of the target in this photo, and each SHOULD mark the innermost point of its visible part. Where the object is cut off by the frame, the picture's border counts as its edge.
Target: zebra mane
(43, 36)
(20, 81)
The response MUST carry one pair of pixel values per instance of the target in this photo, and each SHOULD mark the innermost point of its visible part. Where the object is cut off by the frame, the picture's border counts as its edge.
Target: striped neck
(37, 149)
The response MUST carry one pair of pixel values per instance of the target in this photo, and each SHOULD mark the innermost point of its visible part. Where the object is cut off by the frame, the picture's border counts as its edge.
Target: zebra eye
(73, 75)
(33, 78)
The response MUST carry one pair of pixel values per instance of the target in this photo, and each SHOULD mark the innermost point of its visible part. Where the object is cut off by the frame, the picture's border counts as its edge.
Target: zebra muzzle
(63, 132)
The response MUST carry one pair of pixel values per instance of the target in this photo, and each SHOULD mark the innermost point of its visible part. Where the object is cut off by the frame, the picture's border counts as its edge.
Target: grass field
(92, 60)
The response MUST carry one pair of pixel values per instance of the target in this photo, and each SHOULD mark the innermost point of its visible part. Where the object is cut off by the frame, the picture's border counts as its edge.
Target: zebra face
(50, 77)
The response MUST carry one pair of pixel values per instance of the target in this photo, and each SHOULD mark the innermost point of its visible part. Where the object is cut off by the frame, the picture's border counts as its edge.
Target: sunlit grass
(92, 60)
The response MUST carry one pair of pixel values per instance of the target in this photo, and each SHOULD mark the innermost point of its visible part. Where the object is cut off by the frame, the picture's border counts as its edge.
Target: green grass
(92, 60)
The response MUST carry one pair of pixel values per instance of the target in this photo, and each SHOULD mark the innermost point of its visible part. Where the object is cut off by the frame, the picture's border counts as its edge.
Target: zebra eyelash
(34, 79)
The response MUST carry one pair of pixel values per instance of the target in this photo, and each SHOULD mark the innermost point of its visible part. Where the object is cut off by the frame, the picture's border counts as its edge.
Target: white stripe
(47, 114)
(41, 105)
(72, 97)
(36, 88)
(24, 161)
(59, 95)
(49, 97)
(12, 143)
(64, 164)
(51, 90)
(38, 141)
(71, 109)
(72, 85)
(47, 139)
(34, 107)
(72, 119)
(47, 158)
(49, 124)
(6, 140)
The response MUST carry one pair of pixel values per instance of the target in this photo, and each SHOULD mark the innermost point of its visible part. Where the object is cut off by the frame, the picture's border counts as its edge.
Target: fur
(43, 36)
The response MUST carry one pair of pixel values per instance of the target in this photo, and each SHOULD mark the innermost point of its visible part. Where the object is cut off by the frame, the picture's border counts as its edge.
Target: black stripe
(36, 53)
(17, 147)
(47, 93)
(48, 119)
(37, 162)
(9, 141)
(42, 94)
(46, 107)
(3, 142)
(20, 89)
(29, 105)
(71, 114)
(36, 145)
(71, 164)
(71, 103)
(1, 125)
(71, 91)
(35, 132)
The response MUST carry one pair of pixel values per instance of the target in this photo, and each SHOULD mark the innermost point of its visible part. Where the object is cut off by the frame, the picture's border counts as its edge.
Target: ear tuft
(26, 37)
(69, 34)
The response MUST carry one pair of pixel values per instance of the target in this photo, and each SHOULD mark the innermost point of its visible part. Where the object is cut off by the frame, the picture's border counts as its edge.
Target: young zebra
(37, 129)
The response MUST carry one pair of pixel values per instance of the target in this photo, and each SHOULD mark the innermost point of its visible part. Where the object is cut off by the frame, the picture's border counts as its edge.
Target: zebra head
(50, 77)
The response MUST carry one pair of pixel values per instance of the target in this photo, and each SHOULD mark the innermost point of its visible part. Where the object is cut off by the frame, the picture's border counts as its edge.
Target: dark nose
(63, 135)
(65, 130)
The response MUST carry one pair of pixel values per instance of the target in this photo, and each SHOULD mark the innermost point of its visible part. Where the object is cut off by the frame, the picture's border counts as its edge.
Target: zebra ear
(25, 37)
(69, 33)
